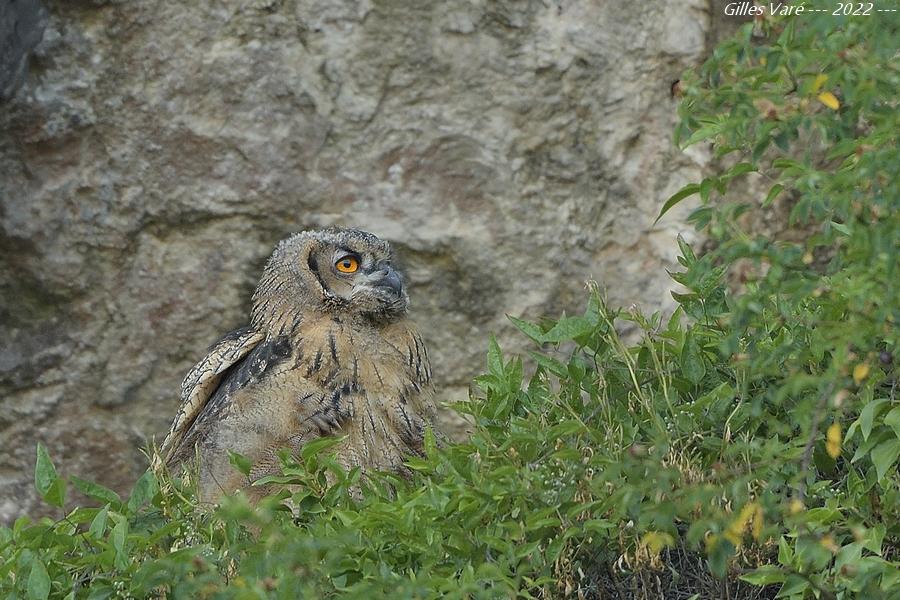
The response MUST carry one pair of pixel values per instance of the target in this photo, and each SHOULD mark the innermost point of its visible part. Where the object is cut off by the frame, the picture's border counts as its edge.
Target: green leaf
(884, 455)
(530, 329)
(849, 554)
(865, 449)
(867, 416)
(595, 308)
(430, 442)
(686, 251)
(739, 169)
(314, 447)
(688, 190)
(706, 186)
(710, 280)
(787, 163)
(569, 328)
(144, 490)
(718, 557)
(277, 479)
(765, 575)
(821, 515)
(118, 536)
(760, 147)
(56, 495)
(686, 299)
(96, 491)
(794, 586)
(715, 401)
(494, 358)
(44, 471)
(892, 420)
(38, 585)
(551, 364)
(773, 193)
(692, 363)
(700, 217)
(785, 552)
(874, 538)
(841, 228)
(565, 429)
(890, 580)
(240, 462)
(703, 133)
(598, 526)
(48, 484)
(98, 525)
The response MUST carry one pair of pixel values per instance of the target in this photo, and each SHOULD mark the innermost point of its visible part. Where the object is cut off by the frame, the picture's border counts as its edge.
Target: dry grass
(682, 575)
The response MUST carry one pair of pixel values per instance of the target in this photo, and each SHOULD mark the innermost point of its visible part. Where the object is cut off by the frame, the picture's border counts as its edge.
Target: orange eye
(348, 264)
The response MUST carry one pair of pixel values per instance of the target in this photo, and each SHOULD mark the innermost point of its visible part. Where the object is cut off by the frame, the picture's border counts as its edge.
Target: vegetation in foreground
(749, 442)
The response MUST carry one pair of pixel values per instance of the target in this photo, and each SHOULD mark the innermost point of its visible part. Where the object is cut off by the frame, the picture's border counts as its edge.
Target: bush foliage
(751, 440)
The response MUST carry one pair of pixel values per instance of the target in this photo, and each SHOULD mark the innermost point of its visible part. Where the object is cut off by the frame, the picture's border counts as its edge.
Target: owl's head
(341, 271)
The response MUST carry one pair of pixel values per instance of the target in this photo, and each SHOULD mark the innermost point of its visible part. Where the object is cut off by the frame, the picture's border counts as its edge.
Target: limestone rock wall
(157, 151)
(22, 24)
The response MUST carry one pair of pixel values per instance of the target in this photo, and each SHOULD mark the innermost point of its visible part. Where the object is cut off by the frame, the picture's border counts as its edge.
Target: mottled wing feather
(201, 382)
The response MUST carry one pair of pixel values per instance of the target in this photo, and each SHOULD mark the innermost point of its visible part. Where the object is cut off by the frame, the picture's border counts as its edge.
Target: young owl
(329, 351)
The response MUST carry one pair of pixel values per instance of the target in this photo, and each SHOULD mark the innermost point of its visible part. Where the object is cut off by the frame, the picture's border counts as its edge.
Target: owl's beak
(391, 281)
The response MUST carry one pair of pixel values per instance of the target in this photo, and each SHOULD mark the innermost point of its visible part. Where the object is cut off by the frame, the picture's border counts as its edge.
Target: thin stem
(811, 441)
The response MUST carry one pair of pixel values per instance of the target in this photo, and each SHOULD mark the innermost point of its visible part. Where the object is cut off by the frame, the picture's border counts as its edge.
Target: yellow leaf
(828, 543)
(796, 507)
(860, 372)
(736, 529)
(655, 541)
(833, 434)
(828, 99)
(757, 523)
(734, 538)
(833, 440)
(820, 79)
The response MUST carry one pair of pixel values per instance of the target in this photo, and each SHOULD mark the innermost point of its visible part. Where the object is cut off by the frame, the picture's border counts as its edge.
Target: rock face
(510, 150)
(22, 23)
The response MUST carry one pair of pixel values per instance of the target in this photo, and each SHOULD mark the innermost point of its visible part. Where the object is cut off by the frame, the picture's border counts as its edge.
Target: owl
(329, 351)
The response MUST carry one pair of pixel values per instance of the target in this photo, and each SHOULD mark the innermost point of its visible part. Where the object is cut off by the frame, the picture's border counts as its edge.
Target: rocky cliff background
(155, 152)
